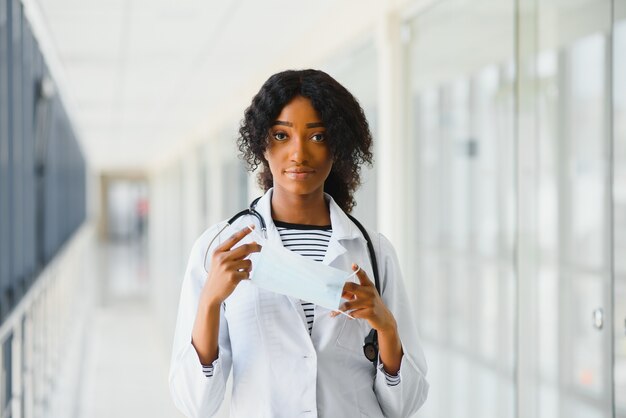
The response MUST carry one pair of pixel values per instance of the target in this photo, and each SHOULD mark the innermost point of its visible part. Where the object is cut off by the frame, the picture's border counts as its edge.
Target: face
(297, 151)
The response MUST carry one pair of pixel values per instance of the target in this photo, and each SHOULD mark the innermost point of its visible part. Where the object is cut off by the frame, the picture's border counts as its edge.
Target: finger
(233, 239)
(351, 290)
(244, 250)
(359, 313)
(348, 306)
(242, 275)
(360, 273)
(242, 265)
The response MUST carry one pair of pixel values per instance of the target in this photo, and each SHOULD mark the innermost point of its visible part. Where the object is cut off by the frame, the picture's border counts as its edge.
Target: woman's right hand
(228, 267)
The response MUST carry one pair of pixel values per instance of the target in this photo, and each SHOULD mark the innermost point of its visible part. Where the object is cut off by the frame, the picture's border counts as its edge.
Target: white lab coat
(279, 370)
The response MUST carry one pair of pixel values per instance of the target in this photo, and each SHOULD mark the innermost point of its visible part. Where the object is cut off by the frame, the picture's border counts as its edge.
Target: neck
(310, 209)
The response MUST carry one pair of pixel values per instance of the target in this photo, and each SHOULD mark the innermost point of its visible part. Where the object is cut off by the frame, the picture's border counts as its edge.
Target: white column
(191, 221)
(391, 143)
(526, 152)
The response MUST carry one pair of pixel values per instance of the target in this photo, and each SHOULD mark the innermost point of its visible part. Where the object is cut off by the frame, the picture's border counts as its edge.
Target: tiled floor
(126, 362)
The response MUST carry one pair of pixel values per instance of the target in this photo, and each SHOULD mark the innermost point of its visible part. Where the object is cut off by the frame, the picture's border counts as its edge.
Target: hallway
(127, 356)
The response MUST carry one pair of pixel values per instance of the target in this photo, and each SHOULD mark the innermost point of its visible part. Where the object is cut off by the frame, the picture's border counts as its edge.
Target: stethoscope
(250, 211)
(370, 344)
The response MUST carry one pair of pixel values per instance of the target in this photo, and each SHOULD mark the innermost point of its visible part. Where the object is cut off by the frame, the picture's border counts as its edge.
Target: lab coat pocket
(352, 335)
(241, 304)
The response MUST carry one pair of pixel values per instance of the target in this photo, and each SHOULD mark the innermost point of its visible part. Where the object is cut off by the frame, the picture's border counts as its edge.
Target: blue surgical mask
(282, 271)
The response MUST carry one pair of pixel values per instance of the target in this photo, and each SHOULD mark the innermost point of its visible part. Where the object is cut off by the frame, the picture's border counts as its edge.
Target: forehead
(298, 109)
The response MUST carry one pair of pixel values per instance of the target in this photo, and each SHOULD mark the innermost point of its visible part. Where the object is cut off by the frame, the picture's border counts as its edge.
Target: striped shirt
(309, 241)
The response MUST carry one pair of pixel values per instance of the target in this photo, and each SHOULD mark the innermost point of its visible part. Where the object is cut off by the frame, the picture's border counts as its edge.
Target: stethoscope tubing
(249, 211)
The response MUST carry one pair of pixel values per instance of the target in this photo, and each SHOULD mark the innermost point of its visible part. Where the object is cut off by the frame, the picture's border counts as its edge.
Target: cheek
(329, 159)
(268, 155)
(270, 163)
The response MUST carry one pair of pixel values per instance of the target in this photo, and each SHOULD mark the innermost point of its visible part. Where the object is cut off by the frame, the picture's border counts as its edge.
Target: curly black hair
(347, 130)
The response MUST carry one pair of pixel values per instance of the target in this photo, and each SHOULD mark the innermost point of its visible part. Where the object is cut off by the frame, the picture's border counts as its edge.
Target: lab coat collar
(343, 227)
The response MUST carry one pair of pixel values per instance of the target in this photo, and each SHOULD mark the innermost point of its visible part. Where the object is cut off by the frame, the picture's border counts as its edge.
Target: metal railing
(36, 336)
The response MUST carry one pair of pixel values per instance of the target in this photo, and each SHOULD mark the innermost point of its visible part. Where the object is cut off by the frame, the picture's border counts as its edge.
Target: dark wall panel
(42, 168)
(5, 153)
(29, 83)
(17, 155)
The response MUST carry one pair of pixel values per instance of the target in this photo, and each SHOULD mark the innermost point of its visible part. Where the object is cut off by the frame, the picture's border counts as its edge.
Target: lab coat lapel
(343, 229)
(334, 250)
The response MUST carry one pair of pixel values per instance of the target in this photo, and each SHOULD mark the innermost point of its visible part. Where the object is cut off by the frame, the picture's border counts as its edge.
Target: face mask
(280, 270)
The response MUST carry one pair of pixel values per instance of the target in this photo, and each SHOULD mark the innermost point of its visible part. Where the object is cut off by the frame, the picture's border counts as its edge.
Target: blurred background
(500, 176)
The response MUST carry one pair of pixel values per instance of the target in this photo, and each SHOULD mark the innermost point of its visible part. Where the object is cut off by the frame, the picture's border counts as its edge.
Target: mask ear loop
(348, 278)
(344, 313)
(256, 235)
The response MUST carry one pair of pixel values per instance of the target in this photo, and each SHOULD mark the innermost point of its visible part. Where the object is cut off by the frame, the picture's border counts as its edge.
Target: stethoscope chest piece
(370, 347)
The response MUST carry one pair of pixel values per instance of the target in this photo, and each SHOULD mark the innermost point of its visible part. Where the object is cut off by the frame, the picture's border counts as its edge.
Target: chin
(300, 188)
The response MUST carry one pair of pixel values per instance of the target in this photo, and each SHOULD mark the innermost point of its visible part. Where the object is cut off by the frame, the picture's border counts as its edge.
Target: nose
(298, 151)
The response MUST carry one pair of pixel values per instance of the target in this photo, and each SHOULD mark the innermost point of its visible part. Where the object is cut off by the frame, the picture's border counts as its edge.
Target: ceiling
(139, 76)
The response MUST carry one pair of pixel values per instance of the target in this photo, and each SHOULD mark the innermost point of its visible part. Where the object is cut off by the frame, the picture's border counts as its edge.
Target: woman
(291, 357)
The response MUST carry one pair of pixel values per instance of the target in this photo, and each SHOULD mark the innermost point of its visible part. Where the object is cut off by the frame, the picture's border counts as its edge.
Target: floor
(125, 361)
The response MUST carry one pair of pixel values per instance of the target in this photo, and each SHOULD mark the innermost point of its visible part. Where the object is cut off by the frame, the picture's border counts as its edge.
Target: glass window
(357, 71)
(429, 168)
(585, 104)
(461, 117)
(572, 110)
(619, 208)
(234, 177)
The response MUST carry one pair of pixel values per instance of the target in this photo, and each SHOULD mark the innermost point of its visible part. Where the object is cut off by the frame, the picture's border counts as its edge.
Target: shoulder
(214, 235)
(382, 246)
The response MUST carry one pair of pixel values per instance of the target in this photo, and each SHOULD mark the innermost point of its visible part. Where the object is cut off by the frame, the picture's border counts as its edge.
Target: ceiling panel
(142, 74)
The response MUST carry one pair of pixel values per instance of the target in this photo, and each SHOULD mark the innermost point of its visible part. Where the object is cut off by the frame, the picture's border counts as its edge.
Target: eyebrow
(308, 125)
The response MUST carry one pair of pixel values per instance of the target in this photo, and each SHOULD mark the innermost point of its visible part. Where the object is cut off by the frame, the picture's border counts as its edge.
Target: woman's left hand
(364, 302)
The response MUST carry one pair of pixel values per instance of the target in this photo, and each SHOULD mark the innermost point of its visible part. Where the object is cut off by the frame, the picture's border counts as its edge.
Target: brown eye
(280, 136)
(318, 138)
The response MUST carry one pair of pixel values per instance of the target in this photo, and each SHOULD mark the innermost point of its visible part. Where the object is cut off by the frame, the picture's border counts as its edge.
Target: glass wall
(357, 71)
(232, 174)
(468, 76)
(460, 65)
(619, 204)
(572, 374)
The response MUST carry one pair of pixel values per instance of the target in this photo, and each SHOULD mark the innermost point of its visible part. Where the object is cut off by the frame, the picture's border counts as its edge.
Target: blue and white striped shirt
(309, 241)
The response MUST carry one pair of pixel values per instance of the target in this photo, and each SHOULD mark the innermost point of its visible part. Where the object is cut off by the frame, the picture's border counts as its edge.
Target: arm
(229, 266)
(201, 329)
(405, 398)
(400, 383)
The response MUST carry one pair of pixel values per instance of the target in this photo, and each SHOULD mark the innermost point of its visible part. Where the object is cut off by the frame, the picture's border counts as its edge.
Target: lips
(299, 173)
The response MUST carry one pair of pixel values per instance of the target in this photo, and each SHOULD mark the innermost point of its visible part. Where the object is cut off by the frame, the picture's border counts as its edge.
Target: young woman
(291, 357)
